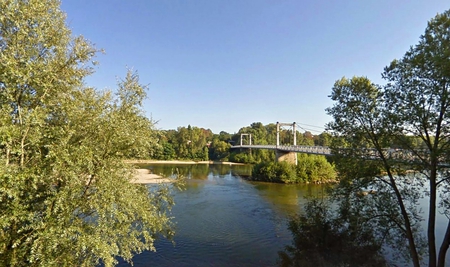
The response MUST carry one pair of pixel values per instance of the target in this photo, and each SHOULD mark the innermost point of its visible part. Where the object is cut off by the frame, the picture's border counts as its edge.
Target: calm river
(224, 220)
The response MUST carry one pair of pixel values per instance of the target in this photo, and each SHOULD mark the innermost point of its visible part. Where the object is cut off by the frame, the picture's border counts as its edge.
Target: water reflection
(224, 220)
(288, 198)
(199, 171)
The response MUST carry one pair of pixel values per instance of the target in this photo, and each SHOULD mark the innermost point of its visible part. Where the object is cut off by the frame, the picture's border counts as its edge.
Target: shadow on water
(224, 220)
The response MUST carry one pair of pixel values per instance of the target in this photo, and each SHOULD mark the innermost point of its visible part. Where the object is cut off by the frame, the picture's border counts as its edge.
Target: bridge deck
(317, 150)
(401, 156)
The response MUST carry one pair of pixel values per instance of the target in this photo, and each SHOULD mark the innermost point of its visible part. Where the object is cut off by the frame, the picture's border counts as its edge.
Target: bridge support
(290, 157)
(250, 141)
(294, 131)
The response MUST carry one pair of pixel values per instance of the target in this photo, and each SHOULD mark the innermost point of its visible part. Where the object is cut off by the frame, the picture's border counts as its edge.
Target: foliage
(277, 172)
(65, 195)
(314, 169)
(310, 169)
(266, 135)
(219, 150)
(190, 143)
(323, 238)
(411, 114)
(193, 143)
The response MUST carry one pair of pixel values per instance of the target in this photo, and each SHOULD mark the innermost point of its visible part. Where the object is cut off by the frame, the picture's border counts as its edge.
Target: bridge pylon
(250, 138)
(290, 157)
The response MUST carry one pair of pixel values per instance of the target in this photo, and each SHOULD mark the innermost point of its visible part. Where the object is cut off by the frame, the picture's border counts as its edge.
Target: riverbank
(145, 176)
(144, 161)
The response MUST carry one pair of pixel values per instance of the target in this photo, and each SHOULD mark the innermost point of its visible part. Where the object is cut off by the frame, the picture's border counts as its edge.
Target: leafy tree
(224, 136)
(165, 152)
(310, 169)
(323, 139)
(65, 193)
(219, 150)
(413, 106)
(190, 143)
(314, 169)
(358, 118)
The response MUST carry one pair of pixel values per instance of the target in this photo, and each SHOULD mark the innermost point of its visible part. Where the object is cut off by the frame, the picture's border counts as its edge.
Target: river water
(224, 220)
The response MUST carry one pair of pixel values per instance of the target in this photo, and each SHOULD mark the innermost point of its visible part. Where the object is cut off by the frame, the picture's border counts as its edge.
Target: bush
(315, 169)
(310, 169)
(276, 172)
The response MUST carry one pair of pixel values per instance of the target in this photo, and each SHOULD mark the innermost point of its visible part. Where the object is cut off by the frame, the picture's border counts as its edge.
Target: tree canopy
(65, 194)
(404, 125)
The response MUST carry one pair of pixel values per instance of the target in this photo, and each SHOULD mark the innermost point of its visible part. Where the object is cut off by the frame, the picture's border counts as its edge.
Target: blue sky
(222, 65)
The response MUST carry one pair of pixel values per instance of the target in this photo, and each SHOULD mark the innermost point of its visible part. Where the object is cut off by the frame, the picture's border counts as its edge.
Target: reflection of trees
(220, 170)
(199, 171)
(162, 169)
(241, 170)
(289, 196)
(196, 171)
(322, 237)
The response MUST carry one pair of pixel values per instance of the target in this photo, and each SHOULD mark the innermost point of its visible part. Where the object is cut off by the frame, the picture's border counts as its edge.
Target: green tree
(323, 139)
(314, 169)
(419, 87)
(219, 150)
(414, 103)
(168, 152)
(358, 119)
(191, 142)
(65, 193)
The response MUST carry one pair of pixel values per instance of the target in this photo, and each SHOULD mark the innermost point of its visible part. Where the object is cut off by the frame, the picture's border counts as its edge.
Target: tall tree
(65, 193)
(419, 99)
(359, 122)
(413, 106)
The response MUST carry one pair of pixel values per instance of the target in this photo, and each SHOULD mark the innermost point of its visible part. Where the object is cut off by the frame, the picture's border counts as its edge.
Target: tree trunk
(444, 247)
(409, 232)
(432, 218)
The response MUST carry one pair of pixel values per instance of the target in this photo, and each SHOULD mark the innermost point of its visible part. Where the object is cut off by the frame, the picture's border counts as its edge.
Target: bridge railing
(319, 150)
(398, 155)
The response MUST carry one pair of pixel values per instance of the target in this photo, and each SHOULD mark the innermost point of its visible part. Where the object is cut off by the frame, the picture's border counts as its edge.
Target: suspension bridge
(289, 152)
(284, 152)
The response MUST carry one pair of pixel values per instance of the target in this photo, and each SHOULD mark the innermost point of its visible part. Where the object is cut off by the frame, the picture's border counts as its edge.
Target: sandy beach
(144, 176)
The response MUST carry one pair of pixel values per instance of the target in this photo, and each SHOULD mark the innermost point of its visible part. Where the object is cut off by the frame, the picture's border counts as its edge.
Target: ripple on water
(221, 222)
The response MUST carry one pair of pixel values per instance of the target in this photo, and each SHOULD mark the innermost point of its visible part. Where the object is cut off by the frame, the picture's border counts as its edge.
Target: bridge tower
(290, 157)
(250, 138)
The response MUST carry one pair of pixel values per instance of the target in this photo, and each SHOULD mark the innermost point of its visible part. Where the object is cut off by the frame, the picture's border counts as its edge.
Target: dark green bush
(310, 169)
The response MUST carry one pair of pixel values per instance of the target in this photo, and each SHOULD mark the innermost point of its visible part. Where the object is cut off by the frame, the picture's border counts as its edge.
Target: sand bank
(144, 176)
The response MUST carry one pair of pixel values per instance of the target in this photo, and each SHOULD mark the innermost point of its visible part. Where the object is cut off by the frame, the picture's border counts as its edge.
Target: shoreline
(146, 161)
(144, 176)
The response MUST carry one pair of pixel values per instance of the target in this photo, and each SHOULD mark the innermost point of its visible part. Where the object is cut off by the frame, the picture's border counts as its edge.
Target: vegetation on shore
(198, 144)
(66, 197)
(65, 192)
(411, 113)
(309, 169)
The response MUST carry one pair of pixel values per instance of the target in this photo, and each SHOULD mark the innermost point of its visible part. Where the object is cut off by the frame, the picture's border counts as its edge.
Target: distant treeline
(193, 143)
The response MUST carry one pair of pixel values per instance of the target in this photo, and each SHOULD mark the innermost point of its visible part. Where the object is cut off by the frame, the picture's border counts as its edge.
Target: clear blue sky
(222, 65)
